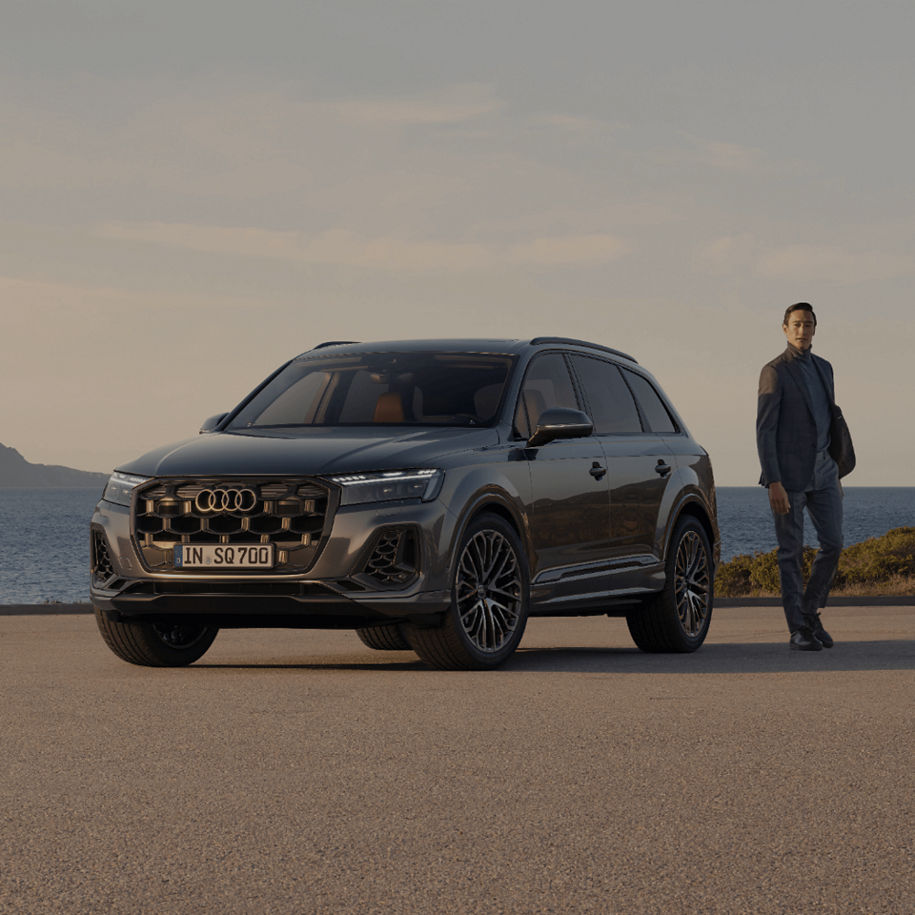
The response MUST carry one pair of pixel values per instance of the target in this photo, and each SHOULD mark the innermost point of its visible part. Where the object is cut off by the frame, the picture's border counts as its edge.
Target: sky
(191, 193)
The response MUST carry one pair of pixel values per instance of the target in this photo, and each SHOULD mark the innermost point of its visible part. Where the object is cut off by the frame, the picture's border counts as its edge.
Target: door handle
(662, 468)
(597, 471)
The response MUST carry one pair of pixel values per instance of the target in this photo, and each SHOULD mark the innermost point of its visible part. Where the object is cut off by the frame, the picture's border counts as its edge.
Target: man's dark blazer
(786, 432)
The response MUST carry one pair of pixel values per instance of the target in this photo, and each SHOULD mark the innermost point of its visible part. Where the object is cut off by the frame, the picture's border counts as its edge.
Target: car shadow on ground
(399, 660)
(732, 658)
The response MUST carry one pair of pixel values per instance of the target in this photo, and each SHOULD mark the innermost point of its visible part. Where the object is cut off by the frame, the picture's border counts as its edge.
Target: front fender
(503, 486)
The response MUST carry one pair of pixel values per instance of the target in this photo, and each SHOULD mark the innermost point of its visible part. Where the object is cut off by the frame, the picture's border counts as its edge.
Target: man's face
(800, 329)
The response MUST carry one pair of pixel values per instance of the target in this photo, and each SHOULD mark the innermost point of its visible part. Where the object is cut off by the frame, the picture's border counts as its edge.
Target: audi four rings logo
(225, 500)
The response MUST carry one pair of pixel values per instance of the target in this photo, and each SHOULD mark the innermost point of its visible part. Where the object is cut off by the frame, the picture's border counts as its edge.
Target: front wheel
(489, 601)
(678, 617)
(387, 637)
(155, 644)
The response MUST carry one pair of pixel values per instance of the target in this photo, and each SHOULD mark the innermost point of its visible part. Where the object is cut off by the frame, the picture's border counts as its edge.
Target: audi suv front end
(431, 495)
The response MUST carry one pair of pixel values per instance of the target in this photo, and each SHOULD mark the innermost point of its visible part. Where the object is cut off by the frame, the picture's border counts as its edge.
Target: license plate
(213, 556)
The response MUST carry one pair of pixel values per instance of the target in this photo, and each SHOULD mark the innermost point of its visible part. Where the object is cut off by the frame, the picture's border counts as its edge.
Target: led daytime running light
(388, 485)
(395, 476)
(120, 487)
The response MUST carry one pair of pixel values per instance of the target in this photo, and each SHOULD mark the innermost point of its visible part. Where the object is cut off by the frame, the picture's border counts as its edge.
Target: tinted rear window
(610, 403)
(659, 419)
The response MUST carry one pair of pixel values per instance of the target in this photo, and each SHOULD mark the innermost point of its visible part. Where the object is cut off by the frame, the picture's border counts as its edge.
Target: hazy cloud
(833, 263)
(452, 105)
(727, 254)
(341, 247)
(571, 123)
(839, 264)
(570, 250)
(731, 157)
(685, 149)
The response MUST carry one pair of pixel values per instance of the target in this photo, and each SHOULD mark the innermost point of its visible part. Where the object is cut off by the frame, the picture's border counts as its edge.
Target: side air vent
(101, 564)
(394, 559)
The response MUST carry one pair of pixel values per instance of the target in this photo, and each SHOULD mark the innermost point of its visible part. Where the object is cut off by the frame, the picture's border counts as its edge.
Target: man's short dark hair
(800, 306)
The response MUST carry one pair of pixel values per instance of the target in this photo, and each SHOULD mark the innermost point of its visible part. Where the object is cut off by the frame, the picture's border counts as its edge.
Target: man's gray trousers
(824, 505)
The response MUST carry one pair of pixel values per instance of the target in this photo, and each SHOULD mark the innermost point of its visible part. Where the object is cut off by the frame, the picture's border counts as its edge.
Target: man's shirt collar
(799, 353)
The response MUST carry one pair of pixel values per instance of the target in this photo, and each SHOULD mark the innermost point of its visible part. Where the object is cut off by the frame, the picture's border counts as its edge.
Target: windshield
(404, 389)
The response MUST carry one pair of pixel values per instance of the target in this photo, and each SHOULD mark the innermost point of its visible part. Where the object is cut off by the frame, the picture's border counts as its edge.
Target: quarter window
(656, 414)
(612, 409)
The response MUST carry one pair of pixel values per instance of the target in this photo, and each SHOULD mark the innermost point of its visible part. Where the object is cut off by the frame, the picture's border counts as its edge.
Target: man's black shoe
(804, 640)
(818, 632)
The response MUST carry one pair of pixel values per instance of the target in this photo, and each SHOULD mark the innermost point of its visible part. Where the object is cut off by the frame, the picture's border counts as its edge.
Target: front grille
(291, 514)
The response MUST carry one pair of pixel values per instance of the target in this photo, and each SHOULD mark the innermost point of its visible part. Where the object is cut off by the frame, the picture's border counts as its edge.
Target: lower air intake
(393, 561)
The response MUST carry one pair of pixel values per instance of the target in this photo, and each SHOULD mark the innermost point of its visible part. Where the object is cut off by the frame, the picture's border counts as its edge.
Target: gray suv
(430, 495)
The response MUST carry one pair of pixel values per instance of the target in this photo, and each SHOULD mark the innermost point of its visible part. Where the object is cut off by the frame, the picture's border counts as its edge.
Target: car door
(639, 463)
(569, 514)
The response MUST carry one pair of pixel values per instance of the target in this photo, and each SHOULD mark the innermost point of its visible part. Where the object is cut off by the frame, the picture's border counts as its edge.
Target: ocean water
(746, 525)
(44, 533)
(44, 545)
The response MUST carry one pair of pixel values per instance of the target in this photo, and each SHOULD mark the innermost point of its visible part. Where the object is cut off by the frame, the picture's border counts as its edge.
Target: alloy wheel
(488, 590)
(692, 583)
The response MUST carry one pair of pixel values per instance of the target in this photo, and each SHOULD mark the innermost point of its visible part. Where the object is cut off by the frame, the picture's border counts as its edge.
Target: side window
(613, 411)
(546, 384)
(659, 420)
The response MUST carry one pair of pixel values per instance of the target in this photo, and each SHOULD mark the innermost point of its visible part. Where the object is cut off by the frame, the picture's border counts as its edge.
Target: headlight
(121, 486)
(389, 486)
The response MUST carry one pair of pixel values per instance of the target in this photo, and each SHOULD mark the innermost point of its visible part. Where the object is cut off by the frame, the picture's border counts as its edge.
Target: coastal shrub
(764, 572)
(746, 574)
(733, 578)
(872, 564)
(754, 574)
(878, 559)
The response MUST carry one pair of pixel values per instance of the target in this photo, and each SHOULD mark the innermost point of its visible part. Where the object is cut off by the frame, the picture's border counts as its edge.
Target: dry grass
(879, 567)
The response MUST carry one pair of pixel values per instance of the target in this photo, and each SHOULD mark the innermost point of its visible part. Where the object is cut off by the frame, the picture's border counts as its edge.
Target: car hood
(310, 451)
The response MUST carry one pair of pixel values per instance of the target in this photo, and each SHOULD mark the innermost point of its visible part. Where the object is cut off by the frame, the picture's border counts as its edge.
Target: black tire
(490, 585)
(678, 617)
(155, 644)
(387, 637)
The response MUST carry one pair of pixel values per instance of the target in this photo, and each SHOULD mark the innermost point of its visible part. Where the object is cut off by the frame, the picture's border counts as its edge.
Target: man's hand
(778, 499)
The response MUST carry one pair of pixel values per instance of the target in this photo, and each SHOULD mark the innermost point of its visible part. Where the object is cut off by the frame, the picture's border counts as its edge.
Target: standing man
(798, 431)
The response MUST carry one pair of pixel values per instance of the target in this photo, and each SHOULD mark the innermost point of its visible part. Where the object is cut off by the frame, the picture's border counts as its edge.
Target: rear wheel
(155, 644)
(489, 602)
(387, 637)
(677, 618)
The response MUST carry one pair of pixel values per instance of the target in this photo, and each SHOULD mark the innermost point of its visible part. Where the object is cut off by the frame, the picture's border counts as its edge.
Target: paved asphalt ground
(302, 772)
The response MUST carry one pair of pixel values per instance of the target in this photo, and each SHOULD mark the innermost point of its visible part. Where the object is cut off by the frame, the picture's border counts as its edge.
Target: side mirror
(209, 425)
(560, 422)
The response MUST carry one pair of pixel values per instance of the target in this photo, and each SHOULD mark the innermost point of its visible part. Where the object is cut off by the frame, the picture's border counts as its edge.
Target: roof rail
(333, 343)
(539, 340)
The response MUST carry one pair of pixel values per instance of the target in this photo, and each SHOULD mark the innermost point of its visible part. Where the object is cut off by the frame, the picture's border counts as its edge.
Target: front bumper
(340, 590)
(305, 607)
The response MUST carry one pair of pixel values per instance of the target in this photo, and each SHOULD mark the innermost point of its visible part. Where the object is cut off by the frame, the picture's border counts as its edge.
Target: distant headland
(17, 473)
